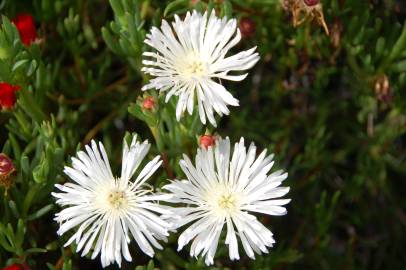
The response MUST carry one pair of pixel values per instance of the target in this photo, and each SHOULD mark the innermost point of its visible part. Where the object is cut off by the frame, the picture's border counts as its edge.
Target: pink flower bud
(148, 103)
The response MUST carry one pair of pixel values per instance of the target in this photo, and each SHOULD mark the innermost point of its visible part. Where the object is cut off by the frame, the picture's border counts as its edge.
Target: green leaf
(380, 46)
(108, 38)
(89, 35)
(227, 9)
(25, 165)
(19, 64)
(20, 233)
(36, 250)
(399, 46)
(29, 198)
(150, 265)
(15, 146)
(117, 7)
(67, 265)
(3, 241)
(13, 208)
(32, 67)
(399, 66)
(175, 5)
(29, 105)
(44, 210)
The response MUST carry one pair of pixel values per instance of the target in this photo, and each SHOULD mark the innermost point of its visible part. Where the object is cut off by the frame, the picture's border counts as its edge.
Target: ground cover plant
(187, 134)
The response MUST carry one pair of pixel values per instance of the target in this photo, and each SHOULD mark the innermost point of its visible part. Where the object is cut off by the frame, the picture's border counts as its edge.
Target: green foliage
(331, 108)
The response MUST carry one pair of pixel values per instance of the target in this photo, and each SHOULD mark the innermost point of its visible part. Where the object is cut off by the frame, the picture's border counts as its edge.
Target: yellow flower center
(191, 67)
(223, 200)
(226, 202)
(117, 199)
(196, 68)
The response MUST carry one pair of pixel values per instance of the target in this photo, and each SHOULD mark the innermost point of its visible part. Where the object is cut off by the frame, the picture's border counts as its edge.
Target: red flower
(7, 95)
(17, 267)
(26, 27)
(207, 140)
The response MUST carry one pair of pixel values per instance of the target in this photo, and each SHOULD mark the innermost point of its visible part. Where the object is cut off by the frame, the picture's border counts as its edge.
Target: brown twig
(92, 133)
(79, 101)
(60, 262)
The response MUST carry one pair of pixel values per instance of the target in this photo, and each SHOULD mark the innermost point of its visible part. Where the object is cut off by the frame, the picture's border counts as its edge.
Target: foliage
(331, 108)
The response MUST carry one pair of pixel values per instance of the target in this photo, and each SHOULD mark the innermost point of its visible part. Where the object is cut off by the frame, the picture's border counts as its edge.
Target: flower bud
(382, 89)
(148, 103)
(6, 171)
(26, 27)
(247, 27)
(206, 141)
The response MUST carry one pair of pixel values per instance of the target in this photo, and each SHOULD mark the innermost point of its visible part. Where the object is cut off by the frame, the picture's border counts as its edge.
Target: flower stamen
(227, 202)
(192, 68)
(117, 199)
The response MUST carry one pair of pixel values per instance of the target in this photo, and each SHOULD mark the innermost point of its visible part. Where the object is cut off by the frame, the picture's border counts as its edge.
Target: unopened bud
(148, 103)
(7, 169)
(247, 27)
(206, 141)
(382, 89)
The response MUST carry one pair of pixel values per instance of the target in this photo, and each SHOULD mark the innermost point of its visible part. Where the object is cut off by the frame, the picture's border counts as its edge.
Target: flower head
(220, 192)
(26, 27)
(191, 56)
(107, 210)
(7, 95)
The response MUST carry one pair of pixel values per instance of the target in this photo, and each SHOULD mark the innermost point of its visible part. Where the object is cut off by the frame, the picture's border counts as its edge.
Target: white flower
(190, 54)
(220, 192)
(106, 210)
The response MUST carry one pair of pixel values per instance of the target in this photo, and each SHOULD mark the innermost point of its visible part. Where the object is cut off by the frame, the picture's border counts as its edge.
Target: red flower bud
(148, 103)
(311, 3)
(6, 170)
(7, 95)
(247, 27)
(26, 27)
(207, 140)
